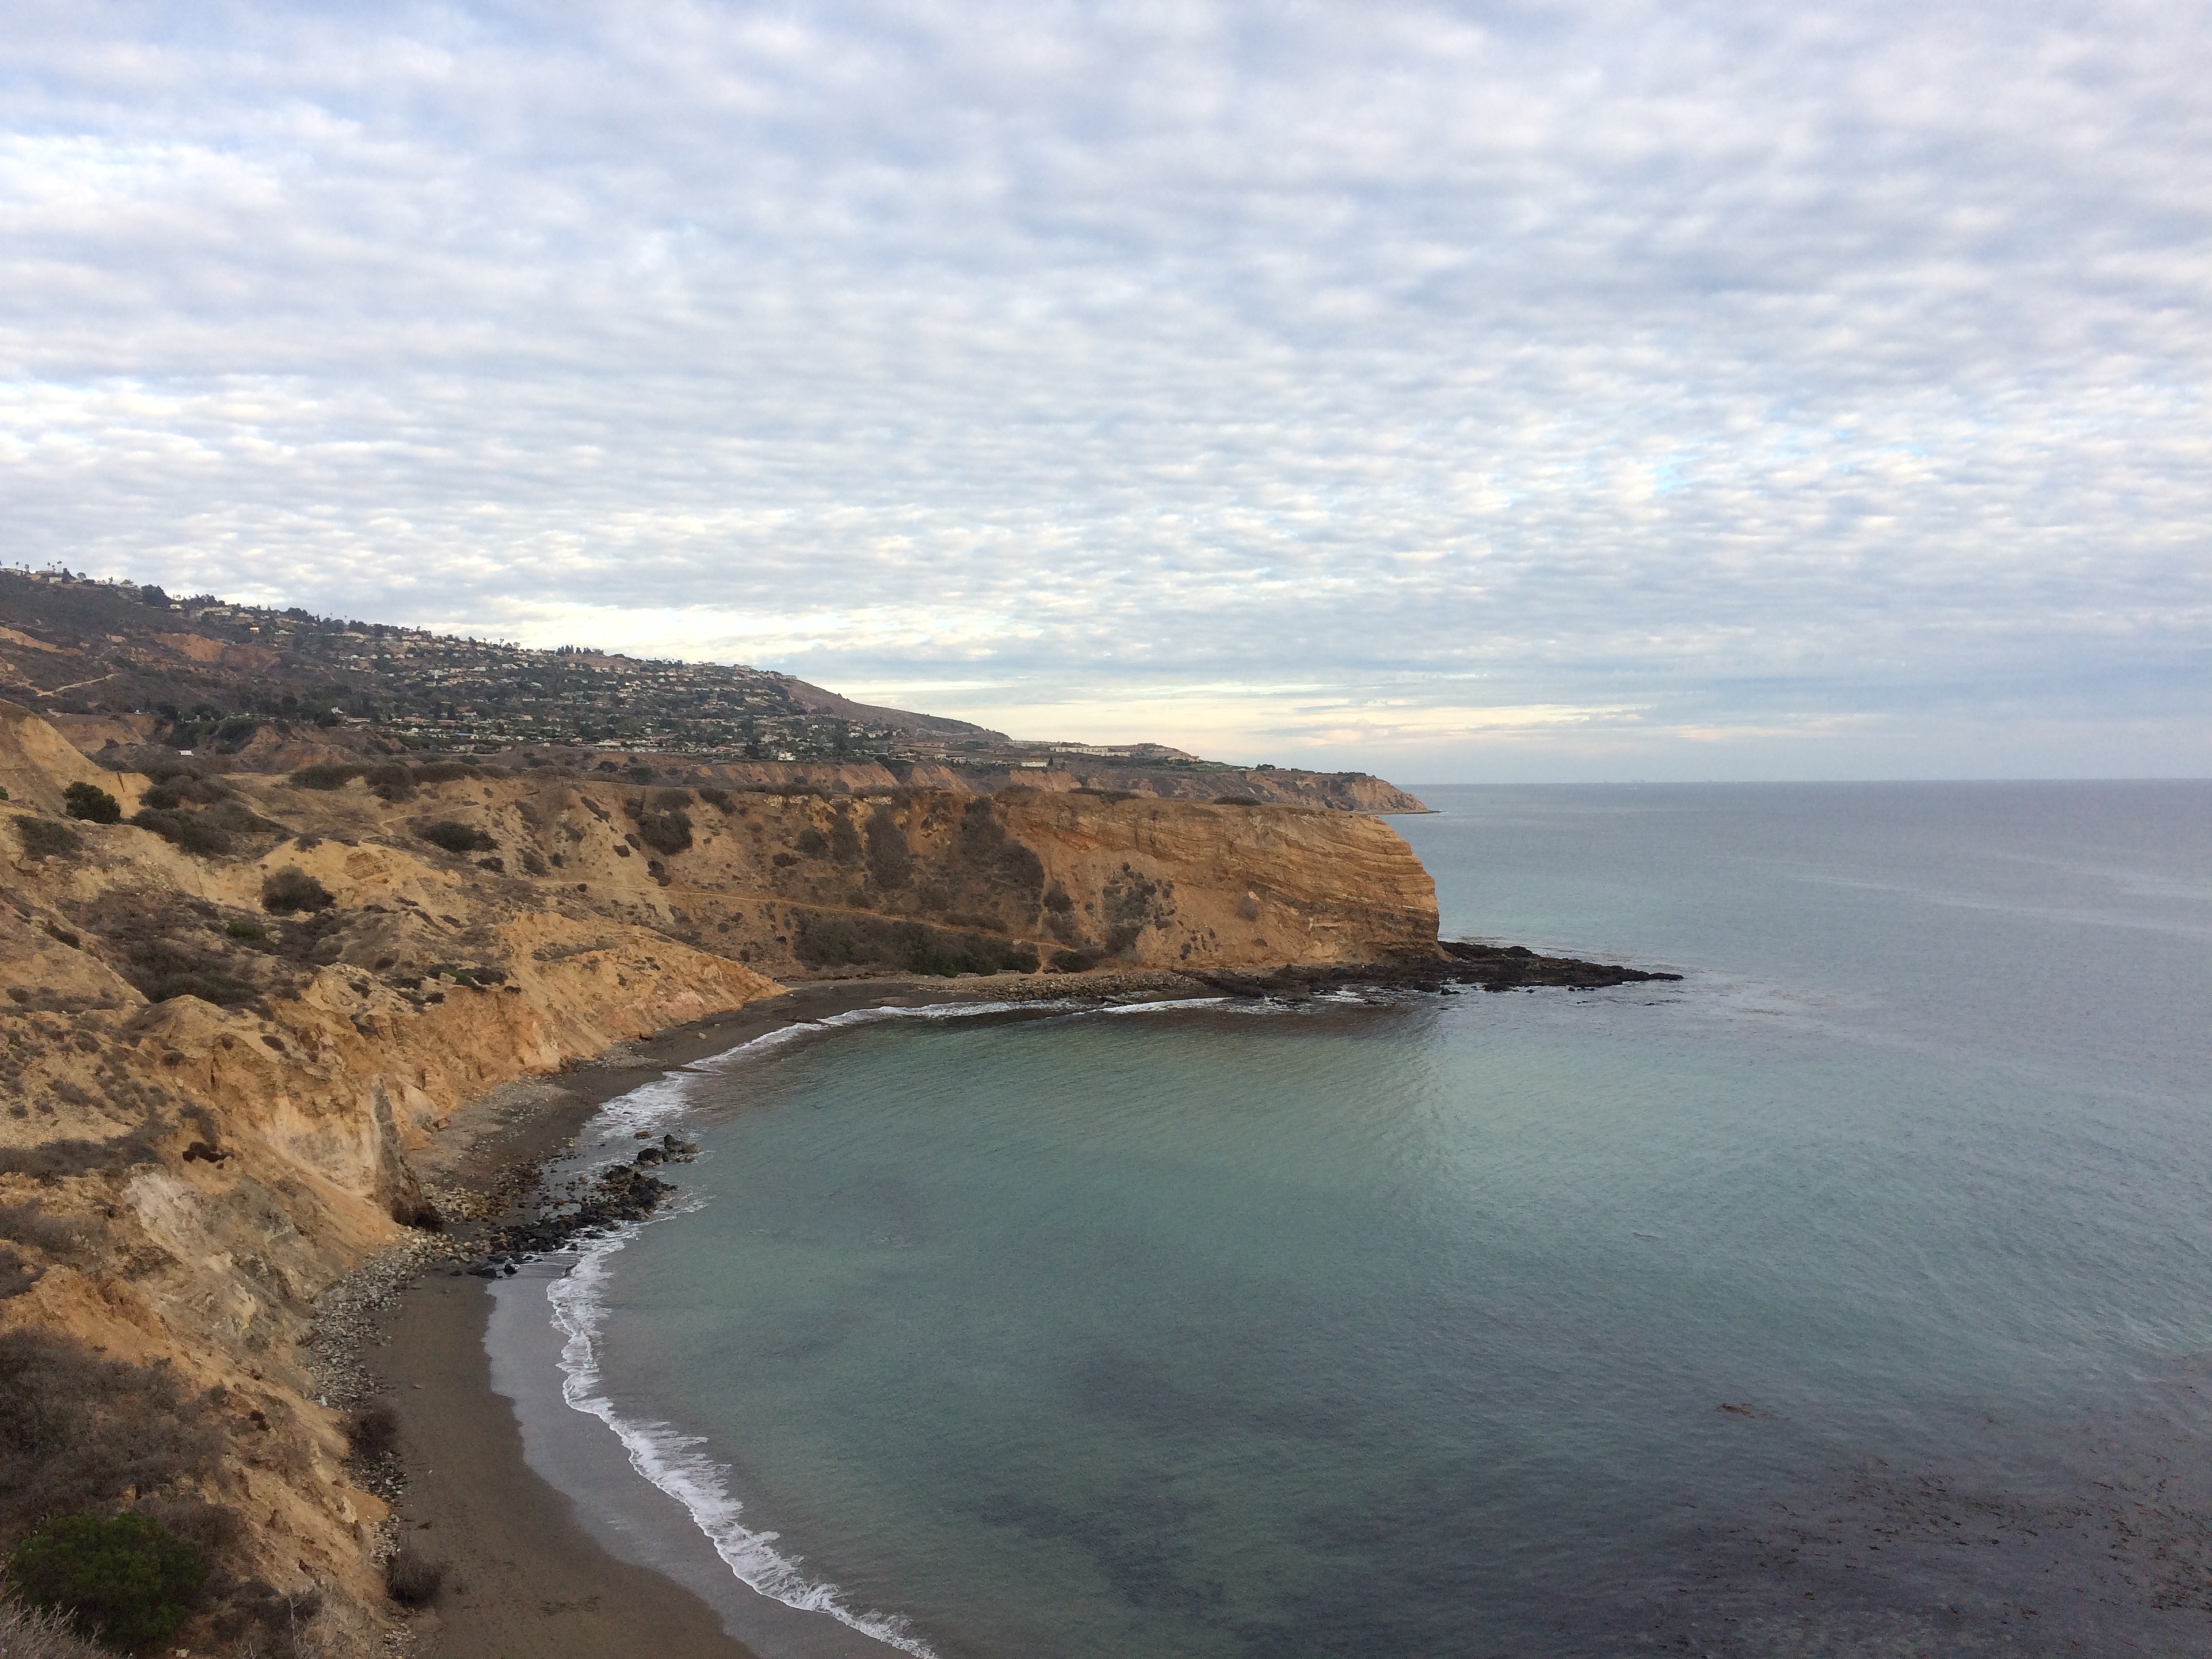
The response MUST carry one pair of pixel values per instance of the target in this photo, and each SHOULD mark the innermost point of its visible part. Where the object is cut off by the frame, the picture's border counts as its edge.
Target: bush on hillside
(391, 781)
(890, 858)
(190, 830)
(668, 832)
(327, 775)
(126, 1578)
(293, 889)
(914, 947)
(80, 1433)
(457, 837)
(91, 803)
(43, 838)
(180, 786)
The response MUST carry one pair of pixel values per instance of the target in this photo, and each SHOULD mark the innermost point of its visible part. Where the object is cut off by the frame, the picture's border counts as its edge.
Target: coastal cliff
(234, 1026)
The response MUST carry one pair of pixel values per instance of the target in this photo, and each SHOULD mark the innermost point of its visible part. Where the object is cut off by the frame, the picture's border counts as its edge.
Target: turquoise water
(1851, 1297)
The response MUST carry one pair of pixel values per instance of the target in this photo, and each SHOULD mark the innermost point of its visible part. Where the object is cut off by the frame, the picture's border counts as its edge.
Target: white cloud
(1801, 379)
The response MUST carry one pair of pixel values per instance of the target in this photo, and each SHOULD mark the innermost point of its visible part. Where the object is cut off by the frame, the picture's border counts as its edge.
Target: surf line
(673, 1462)
(670, 1459)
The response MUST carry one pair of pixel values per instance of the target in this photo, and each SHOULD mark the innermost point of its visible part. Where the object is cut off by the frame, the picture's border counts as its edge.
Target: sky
(1463, 392)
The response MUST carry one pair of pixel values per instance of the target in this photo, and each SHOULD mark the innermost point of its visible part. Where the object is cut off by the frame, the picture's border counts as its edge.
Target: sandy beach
(524, 1578)
(524, 1575)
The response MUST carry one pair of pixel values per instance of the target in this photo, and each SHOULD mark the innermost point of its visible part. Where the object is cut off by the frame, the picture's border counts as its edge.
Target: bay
(1852, 1295)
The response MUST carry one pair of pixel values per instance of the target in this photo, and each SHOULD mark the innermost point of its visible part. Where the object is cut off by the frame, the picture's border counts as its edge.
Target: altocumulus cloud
(1463, 390)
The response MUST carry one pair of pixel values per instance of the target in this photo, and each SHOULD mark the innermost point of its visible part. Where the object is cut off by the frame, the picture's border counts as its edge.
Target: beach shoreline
(524, 1571)
(527, 1570)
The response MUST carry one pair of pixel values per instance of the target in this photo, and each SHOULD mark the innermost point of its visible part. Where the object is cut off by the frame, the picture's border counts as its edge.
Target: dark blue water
(1853, 1296)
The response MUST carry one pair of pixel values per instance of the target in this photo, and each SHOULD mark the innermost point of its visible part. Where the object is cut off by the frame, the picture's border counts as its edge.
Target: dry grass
(35, 1633)
(79, 1432)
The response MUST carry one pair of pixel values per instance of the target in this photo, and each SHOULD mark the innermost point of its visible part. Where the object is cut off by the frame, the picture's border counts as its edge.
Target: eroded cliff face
(915, 879)
(207, 1106)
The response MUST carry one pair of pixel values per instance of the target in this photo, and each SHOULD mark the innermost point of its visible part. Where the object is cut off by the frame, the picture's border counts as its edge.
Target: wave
(673, 1462)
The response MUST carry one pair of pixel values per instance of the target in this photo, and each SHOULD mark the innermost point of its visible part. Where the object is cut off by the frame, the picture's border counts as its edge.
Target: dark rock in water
(1508, 967)
(1494, 967)
(623, 1192)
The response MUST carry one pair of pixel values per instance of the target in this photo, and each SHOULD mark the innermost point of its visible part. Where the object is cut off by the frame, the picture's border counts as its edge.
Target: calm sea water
(1852, 1297)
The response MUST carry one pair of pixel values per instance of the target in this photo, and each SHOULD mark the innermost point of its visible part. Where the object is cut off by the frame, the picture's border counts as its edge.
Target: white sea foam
(769, 1041)
(1161, 1007)
(675, 1463)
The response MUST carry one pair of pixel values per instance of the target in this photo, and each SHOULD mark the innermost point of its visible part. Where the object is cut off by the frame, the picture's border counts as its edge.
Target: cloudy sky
(1524, 390)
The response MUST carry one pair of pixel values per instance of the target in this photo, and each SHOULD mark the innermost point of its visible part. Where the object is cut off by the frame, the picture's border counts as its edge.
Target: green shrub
(719, 799)
(180, 785)
(1239, 800)
(294, 889)
(913, 946)
(668, 832)
(162, 970)
(391, 781)
(43, 837)
(890, 860)
(457, 837)
(128, 1579)
(91, 803)
(328, 775)
(187, 830)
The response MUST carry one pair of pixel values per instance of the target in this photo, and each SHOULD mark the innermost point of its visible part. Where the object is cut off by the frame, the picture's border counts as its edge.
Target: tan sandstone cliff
(207, 1106)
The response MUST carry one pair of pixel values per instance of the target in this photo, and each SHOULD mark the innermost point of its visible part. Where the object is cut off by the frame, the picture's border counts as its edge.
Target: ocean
(1852, 1295)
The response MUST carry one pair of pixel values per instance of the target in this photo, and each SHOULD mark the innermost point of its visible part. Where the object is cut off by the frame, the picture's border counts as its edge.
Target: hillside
(133, 675)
